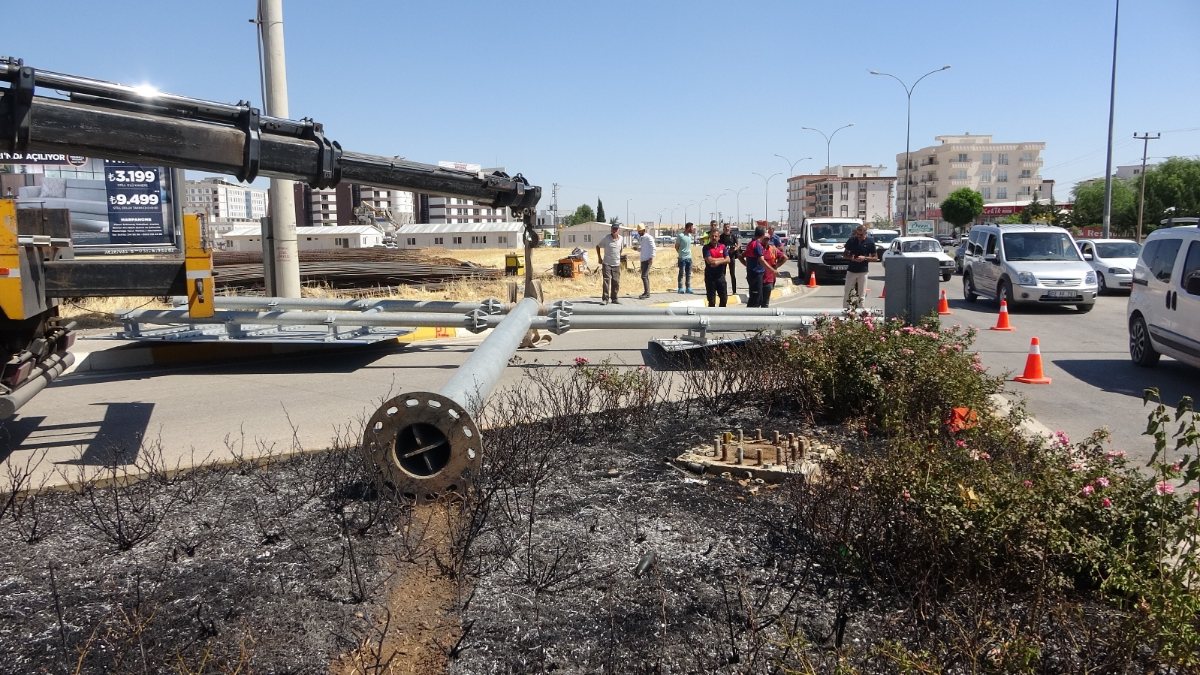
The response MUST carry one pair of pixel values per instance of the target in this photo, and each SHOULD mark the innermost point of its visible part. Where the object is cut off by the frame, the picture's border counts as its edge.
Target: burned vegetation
(587, 545)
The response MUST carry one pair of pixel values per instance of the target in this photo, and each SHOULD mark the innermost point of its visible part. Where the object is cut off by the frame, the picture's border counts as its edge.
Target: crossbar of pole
(683, 310)
(489, 306)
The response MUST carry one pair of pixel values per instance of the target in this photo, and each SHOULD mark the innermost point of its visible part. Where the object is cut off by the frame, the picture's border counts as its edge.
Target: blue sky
(653, 104)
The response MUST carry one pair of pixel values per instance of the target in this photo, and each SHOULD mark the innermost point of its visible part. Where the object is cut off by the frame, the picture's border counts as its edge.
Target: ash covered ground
(580, 549)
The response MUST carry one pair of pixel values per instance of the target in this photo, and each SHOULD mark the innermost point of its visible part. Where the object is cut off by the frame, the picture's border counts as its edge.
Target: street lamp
(738, 197)
(791, 172)
(766, 194)
(699, 211)
(717, 205)
(627, 212)
(828, 139)
(907, 135)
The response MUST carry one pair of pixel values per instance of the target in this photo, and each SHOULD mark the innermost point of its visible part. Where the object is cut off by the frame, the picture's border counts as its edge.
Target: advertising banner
(135, 204)
(42, 158)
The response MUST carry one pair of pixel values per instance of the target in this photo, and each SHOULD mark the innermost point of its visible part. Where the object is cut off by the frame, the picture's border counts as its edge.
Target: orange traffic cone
(943, 304)
(883, 292)
(812, 279)
(1033, 366)
(1002, 320)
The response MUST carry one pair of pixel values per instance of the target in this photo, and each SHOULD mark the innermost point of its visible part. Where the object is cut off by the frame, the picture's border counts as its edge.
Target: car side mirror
(991, 257)
(1087, 256)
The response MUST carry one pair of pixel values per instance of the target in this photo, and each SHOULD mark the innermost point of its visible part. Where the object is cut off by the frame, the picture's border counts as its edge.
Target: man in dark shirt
(756, 266)
(860, 250)
(733, 247)
(716, 259)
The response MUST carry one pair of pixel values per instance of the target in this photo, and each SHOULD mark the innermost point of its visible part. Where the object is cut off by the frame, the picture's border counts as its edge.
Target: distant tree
(881, 222)
(614, 221)
(1173, 184)
(1035, 212)
(962, 207)
(1089, 205)
(599, 210)
(1011, 219)
(583, 214)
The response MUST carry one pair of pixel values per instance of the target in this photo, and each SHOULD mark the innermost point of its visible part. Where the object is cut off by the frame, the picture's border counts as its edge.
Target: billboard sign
(135, 204)
(920, 227)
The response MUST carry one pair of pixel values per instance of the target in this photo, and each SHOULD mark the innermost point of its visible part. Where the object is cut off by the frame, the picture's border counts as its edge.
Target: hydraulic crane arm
(115, 121)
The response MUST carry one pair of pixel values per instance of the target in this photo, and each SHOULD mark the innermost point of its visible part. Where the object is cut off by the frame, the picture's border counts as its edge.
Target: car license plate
(1062, 294)
(838, 268)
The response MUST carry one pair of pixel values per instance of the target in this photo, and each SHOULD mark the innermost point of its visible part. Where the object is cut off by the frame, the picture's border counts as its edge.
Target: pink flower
(1176, 467)
(1061, 438)
(786, 344)
(1164, 488)
(907, 497)
(1087, 490)
(1106, 502)
(1113, 455)
(1028, 484)
(580, 361)
(1102, 482)
(960, 443)
(983, 456)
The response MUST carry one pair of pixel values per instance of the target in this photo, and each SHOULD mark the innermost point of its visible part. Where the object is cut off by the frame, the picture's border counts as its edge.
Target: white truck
(819, 247)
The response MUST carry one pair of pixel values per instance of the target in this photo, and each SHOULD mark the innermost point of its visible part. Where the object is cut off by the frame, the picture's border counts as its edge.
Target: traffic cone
(1033, 366)
(1002, 320)
(883, 292)
(943, 304)
(812, 279)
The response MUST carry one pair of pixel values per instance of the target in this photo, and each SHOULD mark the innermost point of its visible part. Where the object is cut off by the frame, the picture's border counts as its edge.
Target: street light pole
(717, 206)
(737, 213)
(627, 212)
(828, 140)
(788, 191)
(766, 194)
(700, 211)
(1112, 98)
(907, 135)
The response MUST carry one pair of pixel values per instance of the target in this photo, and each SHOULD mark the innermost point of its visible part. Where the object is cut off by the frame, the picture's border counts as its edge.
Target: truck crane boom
(115, 121)
(119, 122)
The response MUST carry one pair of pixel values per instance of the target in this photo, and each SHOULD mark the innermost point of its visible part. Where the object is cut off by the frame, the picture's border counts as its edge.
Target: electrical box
(912, 286)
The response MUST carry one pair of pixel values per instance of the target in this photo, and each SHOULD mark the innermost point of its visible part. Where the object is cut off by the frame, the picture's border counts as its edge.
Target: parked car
(1027, 264)
(921, 247)
(1164, 300)
(1113, 260)
(958, 256)
(883, 239)
(947, 239)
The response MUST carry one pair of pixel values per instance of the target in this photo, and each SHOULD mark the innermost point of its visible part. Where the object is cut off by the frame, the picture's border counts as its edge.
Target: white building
(998, 171)
(460, 235)
(249, 237)
(1132, 170)
(218, 199)
(846, 191)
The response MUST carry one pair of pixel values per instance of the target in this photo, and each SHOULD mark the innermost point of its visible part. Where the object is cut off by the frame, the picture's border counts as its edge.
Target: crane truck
(48, 112)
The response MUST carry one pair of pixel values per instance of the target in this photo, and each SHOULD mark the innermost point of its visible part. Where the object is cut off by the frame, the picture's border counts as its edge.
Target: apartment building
(846, 191)
(218, 199)
(1000, 172)
(336, 205)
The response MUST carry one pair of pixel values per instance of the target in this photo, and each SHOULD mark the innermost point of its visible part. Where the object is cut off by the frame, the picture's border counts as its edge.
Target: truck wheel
(946, 276)
(969, 288)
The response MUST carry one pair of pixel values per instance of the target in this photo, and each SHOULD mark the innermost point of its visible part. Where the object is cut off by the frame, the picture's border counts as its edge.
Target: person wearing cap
(734, 247)
(646, 250)
(683, 246)
(609, 252)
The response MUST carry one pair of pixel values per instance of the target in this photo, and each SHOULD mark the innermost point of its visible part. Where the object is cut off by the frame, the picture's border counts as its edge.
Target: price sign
(135, 208)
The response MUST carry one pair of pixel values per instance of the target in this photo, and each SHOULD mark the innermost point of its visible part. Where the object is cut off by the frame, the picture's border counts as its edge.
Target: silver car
(1113, 260)
(1027, 264)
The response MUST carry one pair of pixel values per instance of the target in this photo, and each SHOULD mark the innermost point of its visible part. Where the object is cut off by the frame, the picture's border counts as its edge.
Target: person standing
(860, 250)
(733, 247)
(753, 257)
(609, 252)
(773, 259)
(716, 259)
(683, 247)
(646, 250)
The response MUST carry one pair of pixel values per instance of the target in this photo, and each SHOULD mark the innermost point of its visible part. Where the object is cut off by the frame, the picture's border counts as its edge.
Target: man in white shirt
(646, 250)
(609, 252)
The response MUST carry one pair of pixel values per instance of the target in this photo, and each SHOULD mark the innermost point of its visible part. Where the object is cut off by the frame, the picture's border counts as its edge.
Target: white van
(820, 247)
(1164, 301)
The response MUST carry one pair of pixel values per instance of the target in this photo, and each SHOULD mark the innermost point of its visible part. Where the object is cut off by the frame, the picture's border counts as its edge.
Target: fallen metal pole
(426, 444)
(489, 306)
